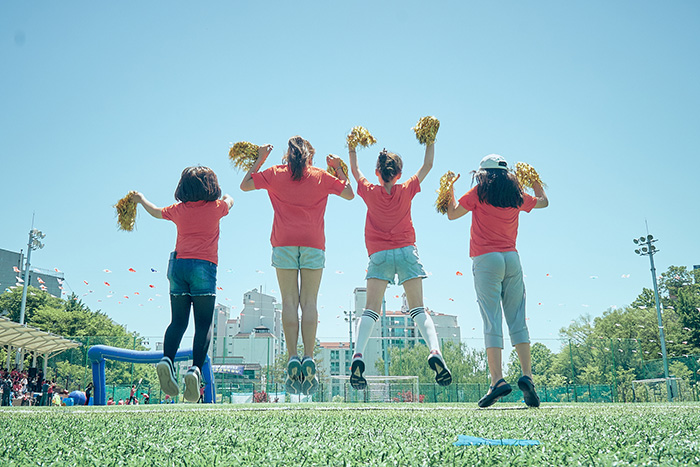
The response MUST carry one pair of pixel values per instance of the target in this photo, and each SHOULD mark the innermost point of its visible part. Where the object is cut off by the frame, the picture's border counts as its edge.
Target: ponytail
(299, 153)
(389, 165)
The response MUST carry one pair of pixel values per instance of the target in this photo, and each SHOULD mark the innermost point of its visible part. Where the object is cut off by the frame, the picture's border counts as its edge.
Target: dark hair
(299, 153)
(499, 188)
(198, 184)
(389, 165)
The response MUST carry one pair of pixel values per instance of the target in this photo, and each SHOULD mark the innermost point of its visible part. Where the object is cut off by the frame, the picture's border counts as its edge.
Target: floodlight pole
(33, 244)
(648, 249)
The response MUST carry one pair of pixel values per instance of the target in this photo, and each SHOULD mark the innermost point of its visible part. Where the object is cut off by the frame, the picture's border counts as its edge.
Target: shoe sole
(308, 369)
(443, 376)
(357, 381)
(294, 369)
(529, 395)
(309, 387)
(292, 386)
(165, 379)
(191, 388)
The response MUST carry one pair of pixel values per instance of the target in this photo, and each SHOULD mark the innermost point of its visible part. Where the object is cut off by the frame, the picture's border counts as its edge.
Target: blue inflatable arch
(99, 353)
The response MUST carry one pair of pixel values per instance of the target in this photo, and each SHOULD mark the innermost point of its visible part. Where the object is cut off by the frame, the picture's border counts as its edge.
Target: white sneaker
(192, 382)
(166, 377)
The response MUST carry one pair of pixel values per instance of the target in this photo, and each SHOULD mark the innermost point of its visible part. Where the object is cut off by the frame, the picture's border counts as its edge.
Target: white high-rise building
(254, 337)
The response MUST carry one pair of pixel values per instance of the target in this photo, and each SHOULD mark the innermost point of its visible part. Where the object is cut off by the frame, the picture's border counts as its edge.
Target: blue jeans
(193, 277)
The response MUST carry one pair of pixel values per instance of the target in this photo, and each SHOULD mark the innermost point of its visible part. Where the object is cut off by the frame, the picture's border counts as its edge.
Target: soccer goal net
(655, 390)
(379, 389)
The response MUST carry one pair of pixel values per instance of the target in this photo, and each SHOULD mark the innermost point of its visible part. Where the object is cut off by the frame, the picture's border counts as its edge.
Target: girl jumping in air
(495, 203)
(391, 245)
(298, 192)
(191, 271)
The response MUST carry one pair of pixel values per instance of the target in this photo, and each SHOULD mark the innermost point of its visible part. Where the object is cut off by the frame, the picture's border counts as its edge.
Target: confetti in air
(333, 171)
(243, 155)
(126, 212)
(445, 192)
(426, 130)
(527, 175)
(360, 136)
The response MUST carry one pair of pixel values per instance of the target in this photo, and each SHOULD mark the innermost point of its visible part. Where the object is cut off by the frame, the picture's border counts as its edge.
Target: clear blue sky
(602, 98)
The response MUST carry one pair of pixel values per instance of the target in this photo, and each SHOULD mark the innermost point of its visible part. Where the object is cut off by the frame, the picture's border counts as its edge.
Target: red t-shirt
(299, 205)
(493, 229)
(388, 225)
(197, 228)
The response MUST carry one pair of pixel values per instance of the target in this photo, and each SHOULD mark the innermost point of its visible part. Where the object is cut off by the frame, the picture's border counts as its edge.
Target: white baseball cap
(493, 161)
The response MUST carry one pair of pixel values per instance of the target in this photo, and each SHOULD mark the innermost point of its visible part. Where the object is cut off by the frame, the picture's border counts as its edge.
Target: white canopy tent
(14, 336)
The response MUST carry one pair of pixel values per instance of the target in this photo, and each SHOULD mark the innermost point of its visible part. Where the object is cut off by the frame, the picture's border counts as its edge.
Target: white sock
(426, 326)
(364, 329)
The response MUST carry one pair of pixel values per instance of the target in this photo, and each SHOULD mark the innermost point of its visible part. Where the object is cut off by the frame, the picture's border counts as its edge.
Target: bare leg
(525, 358)
(414, 292)
(375, 294)
(493, 355)
(308, 296)
(289, 289)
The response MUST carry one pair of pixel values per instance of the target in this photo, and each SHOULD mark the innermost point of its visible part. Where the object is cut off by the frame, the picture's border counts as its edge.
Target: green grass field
(333, 434)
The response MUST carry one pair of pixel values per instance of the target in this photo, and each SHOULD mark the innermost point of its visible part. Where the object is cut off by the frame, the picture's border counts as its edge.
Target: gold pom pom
(527, 175)
(445, 192)
(243, 155)
(331, 170)
(426, 130)
(126, 212)
(360, 136)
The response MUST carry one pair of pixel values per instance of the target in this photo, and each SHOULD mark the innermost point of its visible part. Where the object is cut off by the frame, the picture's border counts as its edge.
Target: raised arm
(263, 151)
(427, 162)
(352, 154)
(542, 201)
(228, 200)
(334, 161)
(150, 208)
(454, 209)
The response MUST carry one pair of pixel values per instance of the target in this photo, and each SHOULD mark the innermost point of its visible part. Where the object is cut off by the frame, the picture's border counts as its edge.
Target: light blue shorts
(298, 257)
(387, 264)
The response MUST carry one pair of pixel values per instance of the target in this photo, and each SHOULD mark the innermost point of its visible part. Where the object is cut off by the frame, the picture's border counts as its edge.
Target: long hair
(299, 154)
(389, 165)
(198, 183)
(499, 188)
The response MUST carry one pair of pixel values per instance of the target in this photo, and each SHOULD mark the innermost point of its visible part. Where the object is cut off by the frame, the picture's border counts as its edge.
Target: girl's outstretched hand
(263, 152)
(333, 161)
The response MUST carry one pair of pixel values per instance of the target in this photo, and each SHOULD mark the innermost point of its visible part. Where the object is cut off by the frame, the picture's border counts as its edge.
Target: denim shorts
(403, 262)
(193, 277)
(298, 257)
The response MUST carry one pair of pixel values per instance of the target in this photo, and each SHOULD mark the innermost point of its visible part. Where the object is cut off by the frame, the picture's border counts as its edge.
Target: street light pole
(648, 249)
(348, 318)
(33, 244)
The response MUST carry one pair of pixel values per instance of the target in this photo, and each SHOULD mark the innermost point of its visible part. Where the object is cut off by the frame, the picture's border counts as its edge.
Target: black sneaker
(166, 377)
(357, 368)
(443, 376)
(192, 382)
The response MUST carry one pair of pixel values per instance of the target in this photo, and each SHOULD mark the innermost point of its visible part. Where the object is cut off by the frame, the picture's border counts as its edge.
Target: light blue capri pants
(498, 280)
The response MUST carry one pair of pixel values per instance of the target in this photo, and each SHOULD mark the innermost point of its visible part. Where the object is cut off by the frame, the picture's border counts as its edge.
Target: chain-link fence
(596, 370)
